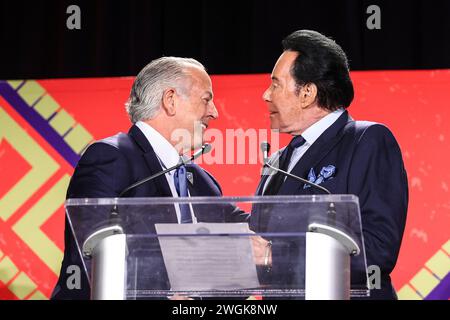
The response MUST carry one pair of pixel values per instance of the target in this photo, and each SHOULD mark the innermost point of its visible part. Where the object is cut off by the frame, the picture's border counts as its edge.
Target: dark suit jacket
(108, 167)
(368, 164)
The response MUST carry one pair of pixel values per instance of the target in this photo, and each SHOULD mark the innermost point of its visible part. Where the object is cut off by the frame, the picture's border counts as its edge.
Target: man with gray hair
(170, 106)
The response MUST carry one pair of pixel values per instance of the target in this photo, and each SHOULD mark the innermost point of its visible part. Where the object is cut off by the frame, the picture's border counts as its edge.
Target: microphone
(331, 211)
(204, 149)
(265, 147)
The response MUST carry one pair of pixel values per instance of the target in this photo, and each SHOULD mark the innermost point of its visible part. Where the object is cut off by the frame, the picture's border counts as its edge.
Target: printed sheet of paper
(199, 261)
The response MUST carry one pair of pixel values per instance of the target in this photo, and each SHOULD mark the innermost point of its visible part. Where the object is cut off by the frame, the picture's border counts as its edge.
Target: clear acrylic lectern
(134, 248)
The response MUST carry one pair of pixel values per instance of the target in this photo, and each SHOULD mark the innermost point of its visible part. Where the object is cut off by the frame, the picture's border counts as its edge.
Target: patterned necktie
(284, 160)
(180, 180)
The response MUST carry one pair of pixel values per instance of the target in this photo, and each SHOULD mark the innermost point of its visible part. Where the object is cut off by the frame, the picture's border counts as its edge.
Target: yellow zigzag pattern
(434, 271)
(43, 166)
(74, 134)
(28, 228)
(17, 281)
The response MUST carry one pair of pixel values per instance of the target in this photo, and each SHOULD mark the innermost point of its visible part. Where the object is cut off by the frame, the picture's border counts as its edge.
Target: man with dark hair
(310, 91)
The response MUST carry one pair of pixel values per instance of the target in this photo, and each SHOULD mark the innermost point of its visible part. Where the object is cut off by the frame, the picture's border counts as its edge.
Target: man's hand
(179, 297)
(262, 251)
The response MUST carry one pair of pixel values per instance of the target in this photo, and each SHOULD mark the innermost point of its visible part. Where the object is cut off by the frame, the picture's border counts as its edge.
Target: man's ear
(308, 94)
(169, 99)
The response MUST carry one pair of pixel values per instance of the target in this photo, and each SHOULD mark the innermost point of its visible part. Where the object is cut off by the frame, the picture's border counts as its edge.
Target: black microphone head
(265, 146)
(206, 148)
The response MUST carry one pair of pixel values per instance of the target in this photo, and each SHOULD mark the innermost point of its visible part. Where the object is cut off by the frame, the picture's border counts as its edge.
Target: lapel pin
(190, 177)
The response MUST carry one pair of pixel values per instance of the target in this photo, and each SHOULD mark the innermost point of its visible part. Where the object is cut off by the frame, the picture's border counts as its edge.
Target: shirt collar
(313, 132)
(167, 154)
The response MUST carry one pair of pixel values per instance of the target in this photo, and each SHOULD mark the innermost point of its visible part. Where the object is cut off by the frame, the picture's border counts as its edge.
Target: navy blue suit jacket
(368, 164)
(105, 170)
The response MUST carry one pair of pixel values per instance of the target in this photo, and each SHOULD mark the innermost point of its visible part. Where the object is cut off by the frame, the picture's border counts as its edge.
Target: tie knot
(296, 142)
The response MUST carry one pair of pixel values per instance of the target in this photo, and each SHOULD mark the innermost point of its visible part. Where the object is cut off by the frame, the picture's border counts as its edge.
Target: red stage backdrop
(46, 124)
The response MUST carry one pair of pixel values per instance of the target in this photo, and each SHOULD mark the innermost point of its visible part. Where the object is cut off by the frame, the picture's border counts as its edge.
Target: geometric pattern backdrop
(46, 124)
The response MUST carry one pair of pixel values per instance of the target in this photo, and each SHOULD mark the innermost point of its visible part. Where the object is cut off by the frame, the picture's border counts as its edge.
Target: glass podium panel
(217, 255)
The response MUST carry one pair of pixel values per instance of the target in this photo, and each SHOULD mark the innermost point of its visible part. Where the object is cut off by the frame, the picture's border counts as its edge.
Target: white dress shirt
(167, 156)
(310, 135)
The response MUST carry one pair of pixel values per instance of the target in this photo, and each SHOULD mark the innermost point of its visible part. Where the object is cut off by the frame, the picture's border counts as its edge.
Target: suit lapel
(202, 185)
(319, 149)
(265, 174)
(262, 182)
(152, 161)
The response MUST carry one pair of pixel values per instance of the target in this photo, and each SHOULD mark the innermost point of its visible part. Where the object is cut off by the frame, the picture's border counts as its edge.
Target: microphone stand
(331, 211)
(297, 178)
(204, 149)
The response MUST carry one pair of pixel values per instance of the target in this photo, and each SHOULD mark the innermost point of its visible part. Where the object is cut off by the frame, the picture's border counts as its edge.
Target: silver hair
(148, 87)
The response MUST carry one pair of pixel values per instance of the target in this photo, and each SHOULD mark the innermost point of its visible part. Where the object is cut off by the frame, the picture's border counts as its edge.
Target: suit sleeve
(216, 183)
(100, 173)
(95, 176)
(231, 212)
(379, 179)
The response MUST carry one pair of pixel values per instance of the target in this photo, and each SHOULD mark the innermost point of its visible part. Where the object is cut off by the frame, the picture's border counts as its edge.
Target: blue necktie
(285, 158)
(181, 186)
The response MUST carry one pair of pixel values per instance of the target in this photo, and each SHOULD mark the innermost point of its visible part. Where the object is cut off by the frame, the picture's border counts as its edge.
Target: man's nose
(213, 113)
(266, 95)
